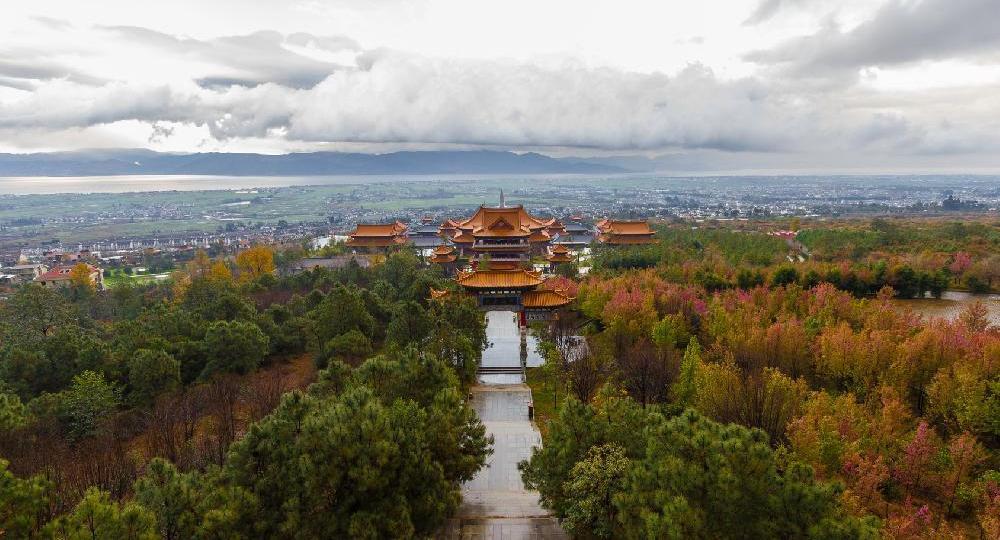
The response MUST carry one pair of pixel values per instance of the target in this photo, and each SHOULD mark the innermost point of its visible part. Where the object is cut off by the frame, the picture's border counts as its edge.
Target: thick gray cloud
(389, 97)
(247, 60)
(64, 104)
(24, 68)
(396, 98)
(283, 87)
(899, 33)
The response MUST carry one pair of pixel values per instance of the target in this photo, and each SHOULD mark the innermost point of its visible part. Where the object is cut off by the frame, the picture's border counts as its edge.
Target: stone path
(495, 504)
(505, 345)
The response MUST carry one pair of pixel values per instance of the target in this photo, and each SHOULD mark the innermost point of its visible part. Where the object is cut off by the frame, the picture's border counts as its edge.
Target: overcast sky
(799, 83)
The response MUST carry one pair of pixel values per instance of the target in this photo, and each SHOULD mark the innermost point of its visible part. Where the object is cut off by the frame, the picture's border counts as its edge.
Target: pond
(951, 304)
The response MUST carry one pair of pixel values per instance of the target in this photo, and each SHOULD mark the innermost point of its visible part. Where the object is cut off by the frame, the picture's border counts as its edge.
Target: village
(499, 254)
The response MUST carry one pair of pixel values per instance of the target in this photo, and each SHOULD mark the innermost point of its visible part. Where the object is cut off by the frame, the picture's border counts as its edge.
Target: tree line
(915, 260)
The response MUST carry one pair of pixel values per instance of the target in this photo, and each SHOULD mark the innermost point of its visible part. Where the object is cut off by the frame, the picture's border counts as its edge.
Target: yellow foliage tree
(255, 262)
(220, 271)
(79, 277)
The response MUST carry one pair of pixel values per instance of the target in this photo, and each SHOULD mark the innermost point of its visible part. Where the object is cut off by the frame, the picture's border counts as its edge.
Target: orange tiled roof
(516, 215)
(540, 235)
(544, 299)
(62, 272)
(498, 279)
(500, 222)
(613, 226)
(379, 229)
(559, 253)
(555, 226)
(463, 238)
(444, 254)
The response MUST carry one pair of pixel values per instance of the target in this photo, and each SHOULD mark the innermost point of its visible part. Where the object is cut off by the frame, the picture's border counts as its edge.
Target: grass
(115, 277)
(542, 395)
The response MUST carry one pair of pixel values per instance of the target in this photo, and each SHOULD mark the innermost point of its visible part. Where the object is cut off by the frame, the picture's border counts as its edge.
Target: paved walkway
(504, 350)
(495, 504)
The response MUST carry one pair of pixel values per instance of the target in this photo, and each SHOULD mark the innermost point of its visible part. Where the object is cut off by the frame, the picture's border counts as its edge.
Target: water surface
(951, 304)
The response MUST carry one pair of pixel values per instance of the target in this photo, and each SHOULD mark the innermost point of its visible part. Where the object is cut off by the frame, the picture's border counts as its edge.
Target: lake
(951, 304)
(52, 185)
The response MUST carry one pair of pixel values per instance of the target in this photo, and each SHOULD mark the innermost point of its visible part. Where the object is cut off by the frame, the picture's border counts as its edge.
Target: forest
(230, 403)
(731, 383)
(706, 405)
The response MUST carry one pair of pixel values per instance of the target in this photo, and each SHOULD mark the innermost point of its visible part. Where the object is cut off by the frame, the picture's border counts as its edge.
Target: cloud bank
(301, 90)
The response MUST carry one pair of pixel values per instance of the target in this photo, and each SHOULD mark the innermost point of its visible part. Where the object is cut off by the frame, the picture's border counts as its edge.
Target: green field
(30, 220)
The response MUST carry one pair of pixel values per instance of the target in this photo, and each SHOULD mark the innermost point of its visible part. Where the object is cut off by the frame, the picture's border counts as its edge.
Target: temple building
(448, 228)
(426, 236)
(511, 290)
(505, 236)
(541, 305)
(575, 235)
(558, 254)
(619, 232)
(499, 288)
(377, 237)
(445, 256)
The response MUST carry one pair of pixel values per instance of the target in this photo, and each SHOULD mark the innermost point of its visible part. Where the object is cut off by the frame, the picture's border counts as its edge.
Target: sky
(780, 84)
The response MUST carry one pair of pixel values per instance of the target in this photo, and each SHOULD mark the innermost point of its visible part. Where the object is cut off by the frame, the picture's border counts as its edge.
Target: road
(495, 504)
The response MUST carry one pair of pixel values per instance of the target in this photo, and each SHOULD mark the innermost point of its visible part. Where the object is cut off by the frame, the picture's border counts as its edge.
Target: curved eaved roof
(544, 299)
(499, 279)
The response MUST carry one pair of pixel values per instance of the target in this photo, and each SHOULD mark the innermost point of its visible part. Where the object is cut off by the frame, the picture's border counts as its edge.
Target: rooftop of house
(63, 272)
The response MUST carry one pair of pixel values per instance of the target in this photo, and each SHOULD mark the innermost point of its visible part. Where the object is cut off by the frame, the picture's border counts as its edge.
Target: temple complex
(490, 253)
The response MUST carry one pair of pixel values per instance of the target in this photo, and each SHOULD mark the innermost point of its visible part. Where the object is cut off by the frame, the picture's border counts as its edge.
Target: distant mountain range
(147, 162)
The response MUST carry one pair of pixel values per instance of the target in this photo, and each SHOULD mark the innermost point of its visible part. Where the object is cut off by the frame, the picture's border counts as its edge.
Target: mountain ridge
(148, 162)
